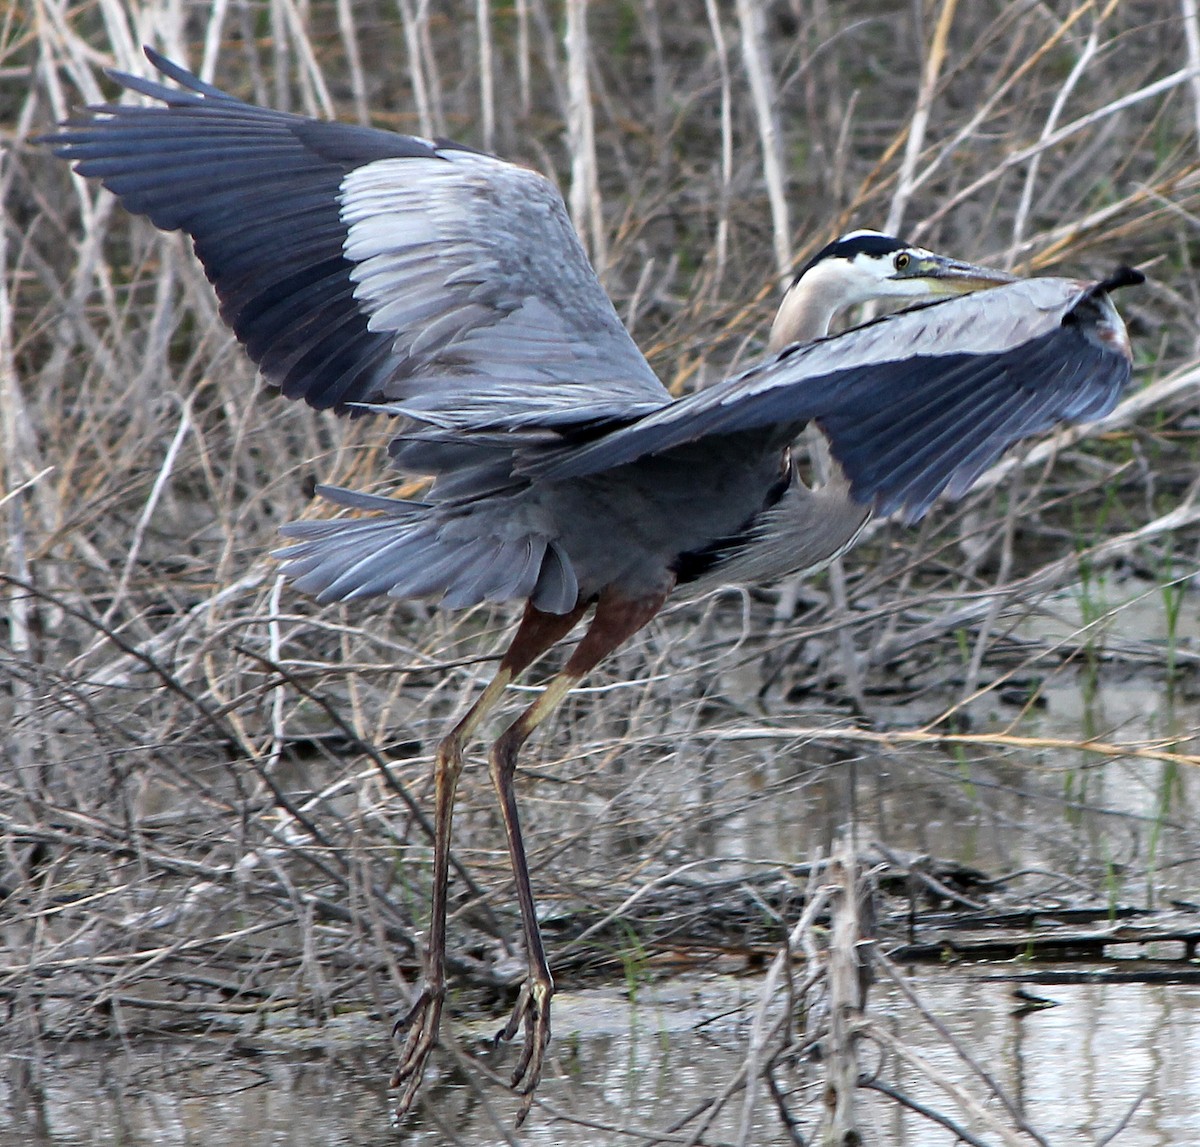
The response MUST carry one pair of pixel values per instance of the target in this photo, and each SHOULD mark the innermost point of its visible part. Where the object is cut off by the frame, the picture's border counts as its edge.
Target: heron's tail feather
(412, 550)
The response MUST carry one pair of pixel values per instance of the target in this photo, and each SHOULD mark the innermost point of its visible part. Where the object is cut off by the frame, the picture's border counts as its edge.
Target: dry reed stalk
(919, 124)
(721, 234)
(1003, 573)
(1061, 135)
(18, 472)
(487, 80)
(780, 976)
(213, 31)
(988, 105)
(752, 26)
(1085, 58)
(586, 209)
(1190, 16)
(358, 80)
(845, 977)
(415, 42)
(1010, 1132)
(1154, 750)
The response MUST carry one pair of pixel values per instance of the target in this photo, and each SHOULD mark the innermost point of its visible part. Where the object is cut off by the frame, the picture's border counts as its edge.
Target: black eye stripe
(849, 246)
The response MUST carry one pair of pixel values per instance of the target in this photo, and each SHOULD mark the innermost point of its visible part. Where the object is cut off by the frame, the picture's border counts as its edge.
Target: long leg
(537, 632)
(615, 621)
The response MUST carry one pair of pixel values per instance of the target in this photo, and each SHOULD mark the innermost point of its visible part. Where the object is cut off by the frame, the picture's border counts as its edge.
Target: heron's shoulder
(416, 169)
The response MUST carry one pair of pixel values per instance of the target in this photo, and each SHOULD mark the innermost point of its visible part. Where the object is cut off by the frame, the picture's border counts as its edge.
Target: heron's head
(863, 266)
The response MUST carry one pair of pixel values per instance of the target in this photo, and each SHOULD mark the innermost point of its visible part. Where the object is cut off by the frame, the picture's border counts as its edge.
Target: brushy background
(212, 789)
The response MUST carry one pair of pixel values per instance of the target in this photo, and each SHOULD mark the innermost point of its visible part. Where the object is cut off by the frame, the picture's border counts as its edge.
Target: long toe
(421, 1023)
(509, 1030)
(528, 1072)
(532, 1016)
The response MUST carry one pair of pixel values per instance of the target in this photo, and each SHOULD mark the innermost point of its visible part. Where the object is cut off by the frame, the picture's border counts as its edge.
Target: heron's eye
(901, 261)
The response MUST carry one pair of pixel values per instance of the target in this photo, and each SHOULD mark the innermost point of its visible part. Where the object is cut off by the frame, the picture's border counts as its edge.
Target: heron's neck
(803, 315)
(812, 301)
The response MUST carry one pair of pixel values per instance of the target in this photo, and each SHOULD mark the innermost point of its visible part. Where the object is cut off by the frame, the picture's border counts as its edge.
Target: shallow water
(1075, 1070)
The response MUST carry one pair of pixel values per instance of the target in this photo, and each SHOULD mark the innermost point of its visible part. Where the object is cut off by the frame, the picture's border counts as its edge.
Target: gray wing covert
(497, 318)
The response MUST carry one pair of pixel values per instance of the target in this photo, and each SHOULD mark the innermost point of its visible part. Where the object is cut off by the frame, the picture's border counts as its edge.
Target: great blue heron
(446, 288)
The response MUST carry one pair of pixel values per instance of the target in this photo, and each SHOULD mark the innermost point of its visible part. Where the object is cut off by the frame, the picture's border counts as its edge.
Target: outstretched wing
(361, 266)
(914, 403)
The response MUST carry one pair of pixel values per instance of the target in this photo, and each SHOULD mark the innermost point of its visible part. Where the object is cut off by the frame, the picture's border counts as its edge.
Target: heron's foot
(421, 1023)
(532, 1014)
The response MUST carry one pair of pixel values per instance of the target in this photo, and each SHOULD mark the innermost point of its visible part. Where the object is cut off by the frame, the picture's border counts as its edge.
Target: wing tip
(1122, 276)
(191, 89)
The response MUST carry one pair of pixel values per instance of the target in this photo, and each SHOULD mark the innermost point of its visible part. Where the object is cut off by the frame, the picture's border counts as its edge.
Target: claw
(421, 1022)
(532, 1013)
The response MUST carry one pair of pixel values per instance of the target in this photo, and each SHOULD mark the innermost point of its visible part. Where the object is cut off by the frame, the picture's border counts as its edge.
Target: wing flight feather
(913, 403)
(360, 267)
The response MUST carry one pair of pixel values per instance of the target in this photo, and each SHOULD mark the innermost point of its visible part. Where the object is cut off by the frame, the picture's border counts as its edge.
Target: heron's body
(543, 519)
(365, 270)
(552, 541)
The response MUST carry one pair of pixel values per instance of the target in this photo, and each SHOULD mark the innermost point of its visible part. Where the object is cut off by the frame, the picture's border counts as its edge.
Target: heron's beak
(945, 276)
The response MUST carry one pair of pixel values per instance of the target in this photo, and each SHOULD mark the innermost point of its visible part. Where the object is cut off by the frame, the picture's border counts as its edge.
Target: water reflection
(1074, 1069)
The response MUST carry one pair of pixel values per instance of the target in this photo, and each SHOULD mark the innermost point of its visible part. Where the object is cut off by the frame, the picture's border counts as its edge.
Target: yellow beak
(945, 276)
